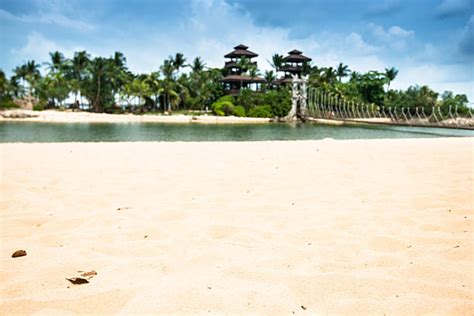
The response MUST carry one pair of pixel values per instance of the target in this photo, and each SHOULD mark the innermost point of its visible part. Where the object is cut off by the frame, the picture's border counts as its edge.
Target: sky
(431, 42)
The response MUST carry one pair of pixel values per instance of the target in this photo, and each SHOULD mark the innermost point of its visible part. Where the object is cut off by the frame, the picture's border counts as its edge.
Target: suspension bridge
(309, 103)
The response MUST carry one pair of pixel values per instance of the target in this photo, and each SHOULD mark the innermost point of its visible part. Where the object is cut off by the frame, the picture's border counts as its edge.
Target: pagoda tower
(236, 77)
(293, 65)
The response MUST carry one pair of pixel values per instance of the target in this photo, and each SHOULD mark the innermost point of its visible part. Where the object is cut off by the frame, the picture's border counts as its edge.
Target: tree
(32, 75)
(455, 102)
(167, 85)
(342, 71)
(178, 62)
(54, 88)
(154, 82)
(97, 84)
(277, 62)
(58, 62)
(244, 64)
(79, 65)
(118, 72)
(270, 78)
(197, 65)
(254, 72)
(391, 74)
(329, 75)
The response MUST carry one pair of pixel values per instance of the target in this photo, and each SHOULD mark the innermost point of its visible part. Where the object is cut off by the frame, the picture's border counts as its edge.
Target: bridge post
(299, 98)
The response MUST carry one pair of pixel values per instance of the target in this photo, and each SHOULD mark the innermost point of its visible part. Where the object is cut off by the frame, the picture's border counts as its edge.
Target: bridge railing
(324, 105)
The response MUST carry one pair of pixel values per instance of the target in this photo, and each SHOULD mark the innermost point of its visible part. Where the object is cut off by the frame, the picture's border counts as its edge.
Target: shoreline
(52, 116)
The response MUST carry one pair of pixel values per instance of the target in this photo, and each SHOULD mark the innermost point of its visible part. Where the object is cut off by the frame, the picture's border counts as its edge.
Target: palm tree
(277, 62)
(167, 69)
(32, 75)
(178, 62)
(20, 73)
(390, 74)
(254, 72)
(14, 87)
(197, 65)
(118, 72)
(270, 78)
(306, 68)
(79, 64)
(355, 76)
(329, 75)
(57, 62)
(342, 71)
(244, 64)
(153, 81)
(98, 67)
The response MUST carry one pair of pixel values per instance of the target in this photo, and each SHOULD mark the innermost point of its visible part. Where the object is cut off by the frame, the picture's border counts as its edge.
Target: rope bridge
(324, 105)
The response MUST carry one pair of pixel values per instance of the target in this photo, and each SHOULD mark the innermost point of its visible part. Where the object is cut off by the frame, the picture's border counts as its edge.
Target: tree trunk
(96, 103)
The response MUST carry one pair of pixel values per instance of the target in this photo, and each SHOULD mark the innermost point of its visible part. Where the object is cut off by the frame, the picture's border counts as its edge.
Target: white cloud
(399, 32)
(214, 27)
(355, 40)
(38, 47)
(438, 77)
(394, 37)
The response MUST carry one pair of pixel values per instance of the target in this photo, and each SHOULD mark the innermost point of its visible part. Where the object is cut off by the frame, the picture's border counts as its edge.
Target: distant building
(293, 64)
(236, 78)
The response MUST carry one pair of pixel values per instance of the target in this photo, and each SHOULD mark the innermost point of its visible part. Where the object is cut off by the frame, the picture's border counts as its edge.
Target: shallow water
(120, 132)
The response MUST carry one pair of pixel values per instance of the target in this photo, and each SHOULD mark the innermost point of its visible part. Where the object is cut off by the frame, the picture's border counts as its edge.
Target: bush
(40, 106)
(261, 111)
(280, 102)
(8, 104)
(226, 98)
(224, 107)
(239, 111)
(218, 107)
(250, 99)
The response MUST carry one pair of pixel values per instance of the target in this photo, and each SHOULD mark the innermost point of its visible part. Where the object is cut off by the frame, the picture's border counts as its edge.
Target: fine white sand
(310, 227)
(87, 117)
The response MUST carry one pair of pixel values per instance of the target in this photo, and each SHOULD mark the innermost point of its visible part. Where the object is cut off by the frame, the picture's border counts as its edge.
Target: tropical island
(239, 89)
(358, 200)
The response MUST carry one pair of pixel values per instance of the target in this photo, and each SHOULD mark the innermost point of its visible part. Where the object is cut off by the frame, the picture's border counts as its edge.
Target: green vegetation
(374, 88)
(272, 103)
(107, 85)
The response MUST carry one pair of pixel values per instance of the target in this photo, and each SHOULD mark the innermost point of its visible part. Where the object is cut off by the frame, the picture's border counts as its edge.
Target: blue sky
(429, 41)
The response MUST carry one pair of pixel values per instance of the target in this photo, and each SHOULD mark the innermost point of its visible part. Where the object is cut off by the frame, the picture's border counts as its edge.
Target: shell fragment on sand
(19, 253)
(89, 274)
(77, 280)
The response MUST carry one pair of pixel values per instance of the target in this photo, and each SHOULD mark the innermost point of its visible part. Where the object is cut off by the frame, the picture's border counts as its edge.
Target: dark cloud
(466, 46)
(384, 8)
(453, 8)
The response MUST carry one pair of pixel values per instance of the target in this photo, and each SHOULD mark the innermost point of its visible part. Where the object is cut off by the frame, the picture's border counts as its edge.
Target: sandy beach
(304, 227)
(50, 116)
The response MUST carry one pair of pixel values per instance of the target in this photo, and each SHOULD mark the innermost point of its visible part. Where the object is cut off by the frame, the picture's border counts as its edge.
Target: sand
(306, 227)
(50, 116)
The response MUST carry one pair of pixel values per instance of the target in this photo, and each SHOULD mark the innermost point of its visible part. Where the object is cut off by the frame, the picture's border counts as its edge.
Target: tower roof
(296, 56)
(241, 51)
